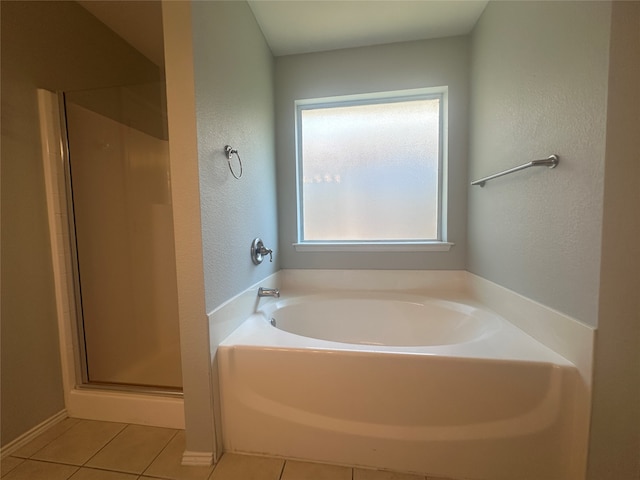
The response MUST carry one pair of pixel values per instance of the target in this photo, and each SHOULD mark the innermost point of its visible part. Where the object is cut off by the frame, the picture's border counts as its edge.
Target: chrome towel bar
(551, 162)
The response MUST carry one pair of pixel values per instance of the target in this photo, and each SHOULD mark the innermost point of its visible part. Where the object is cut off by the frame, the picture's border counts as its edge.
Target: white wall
(372, 69)
(539, 86)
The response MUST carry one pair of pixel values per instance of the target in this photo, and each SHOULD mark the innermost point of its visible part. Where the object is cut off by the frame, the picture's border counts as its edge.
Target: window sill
(434, 246)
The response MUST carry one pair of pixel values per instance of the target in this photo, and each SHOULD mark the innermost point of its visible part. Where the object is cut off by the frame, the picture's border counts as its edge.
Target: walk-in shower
(121, 237)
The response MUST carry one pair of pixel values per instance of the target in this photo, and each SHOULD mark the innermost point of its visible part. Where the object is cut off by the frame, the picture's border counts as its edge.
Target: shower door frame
(80, 350)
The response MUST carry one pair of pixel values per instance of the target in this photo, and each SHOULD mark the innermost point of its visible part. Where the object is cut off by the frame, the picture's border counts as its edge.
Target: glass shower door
(119, 178)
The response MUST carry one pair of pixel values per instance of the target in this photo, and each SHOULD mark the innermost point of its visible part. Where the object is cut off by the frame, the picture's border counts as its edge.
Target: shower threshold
(127, 388)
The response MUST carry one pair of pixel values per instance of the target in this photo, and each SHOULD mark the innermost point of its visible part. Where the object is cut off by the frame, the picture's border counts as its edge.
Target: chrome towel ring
(230, 151)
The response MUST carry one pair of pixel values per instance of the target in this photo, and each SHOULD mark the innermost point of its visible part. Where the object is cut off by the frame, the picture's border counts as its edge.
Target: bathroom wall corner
(185, 191)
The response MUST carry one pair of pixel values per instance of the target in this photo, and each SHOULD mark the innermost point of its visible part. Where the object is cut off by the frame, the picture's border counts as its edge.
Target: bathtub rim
(505, 343)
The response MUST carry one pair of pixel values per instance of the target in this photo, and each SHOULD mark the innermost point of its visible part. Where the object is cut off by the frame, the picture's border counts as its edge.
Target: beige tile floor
(90, 450)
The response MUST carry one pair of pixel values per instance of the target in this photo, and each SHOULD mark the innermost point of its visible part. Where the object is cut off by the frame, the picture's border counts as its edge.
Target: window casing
(371, 170)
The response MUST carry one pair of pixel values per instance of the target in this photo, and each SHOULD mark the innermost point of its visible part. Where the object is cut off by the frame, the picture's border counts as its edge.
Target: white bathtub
(380, 318)
(397, 381)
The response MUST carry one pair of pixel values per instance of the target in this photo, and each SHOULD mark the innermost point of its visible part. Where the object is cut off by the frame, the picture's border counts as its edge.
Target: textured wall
(57, 46)
(373, 69)
(539, 86)
(234, 102)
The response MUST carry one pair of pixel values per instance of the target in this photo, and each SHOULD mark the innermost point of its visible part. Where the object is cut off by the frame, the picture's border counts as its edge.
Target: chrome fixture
(259, 251)
(551, 162)
(268, 292)
(229, 152)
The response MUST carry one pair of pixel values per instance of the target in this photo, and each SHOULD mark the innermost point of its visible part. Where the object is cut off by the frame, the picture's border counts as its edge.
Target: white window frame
(438, 244)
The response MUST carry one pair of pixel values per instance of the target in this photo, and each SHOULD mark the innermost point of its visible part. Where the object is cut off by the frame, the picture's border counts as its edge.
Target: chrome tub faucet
(268, 292)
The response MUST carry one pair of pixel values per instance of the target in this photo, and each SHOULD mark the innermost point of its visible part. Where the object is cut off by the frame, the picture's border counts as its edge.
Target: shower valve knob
(259, 251)
(264, 252)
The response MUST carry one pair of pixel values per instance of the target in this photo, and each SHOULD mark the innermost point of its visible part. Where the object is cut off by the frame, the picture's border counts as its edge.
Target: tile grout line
(77, 467)
(215, 465)
(160, 452)
(139, 476)
(104, 469)
(14, 467)
(71, 476)
(52, 462)
(80, 421)
(126, 425)
(284, 464)
(30, 457)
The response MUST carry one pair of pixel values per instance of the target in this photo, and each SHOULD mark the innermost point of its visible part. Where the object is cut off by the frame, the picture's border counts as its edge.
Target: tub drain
(273, 322)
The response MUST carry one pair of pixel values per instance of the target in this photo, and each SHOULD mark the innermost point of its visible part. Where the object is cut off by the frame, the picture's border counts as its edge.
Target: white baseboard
(26, 437)
(197, 459)
(125, 407)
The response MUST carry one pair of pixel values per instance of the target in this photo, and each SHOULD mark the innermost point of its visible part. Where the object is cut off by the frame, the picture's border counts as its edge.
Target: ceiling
(303, 26)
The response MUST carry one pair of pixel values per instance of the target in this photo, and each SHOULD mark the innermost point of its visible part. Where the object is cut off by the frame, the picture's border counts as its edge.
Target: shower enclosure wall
(121, 236)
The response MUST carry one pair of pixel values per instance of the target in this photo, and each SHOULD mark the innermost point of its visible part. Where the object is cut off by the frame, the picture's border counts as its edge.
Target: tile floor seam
(126, 425)
(144, 475)
(101, 469)
(76, 471)
(77, 467)
(14, 467)
(284, 464)
(120, 470)
(82, 423)
(158, 454)
(57, 462)
(50, 441)
(104, 469)
(215, 465)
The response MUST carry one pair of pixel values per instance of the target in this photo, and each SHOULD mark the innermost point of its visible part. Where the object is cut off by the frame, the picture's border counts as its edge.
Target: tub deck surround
(561, 333)
(502, 342)
(490, 403)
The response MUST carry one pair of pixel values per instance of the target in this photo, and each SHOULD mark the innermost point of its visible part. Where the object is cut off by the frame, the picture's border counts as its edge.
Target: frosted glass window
(370, 172)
